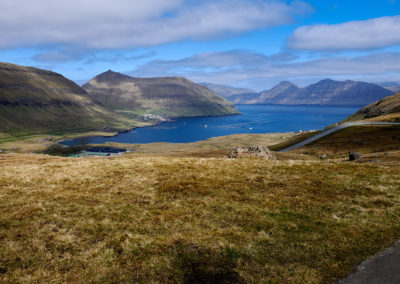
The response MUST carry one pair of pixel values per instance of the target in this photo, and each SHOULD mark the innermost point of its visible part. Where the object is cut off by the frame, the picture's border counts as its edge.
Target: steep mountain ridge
(227, 91)
(387, 109)
(169, 96)
(284, 89)
(330, 92)
(33, 100)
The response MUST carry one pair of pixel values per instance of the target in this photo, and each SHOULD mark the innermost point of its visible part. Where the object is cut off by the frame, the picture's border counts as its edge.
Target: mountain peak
(286, 84)
(326, 81)
(110, 75)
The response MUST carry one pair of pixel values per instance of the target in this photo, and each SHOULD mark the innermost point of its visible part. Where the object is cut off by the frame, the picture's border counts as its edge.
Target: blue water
(254, 119)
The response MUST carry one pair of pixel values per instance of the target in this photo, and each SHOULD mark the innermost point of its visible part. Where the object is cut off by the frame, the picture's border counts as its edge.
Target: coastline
(116, 133)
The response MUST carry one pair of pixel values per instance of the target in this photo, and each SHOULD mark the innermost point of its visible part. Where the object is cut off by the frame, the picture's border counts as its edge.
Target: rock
(252, 151)
(46, 139)
(323, 156)
(1, 151)
(353, 156)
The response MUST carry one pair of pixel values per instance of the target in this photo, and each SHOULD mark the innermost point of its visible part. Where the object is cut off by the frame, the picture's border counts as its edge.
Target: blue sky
(244, 43)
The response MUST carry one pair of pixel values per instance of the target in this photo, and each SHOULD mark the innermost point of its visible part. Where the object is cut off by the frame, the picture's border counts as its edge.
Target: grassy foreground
(165, 219)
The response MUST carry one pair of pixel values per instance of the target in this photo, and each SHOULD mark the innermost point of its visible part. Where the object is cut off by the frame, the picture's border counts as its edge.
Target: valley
(178, 212)
(200, 142)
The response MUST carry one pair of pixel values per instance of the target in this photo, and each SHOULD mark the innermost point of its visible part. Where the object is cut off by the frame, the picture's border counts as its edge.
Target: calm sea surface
(254, 119)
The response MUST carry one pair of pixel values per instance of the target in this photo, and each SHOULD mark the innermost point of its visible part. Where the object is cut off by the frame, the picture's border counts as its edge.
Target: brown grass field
(133, 219)
(367, 140)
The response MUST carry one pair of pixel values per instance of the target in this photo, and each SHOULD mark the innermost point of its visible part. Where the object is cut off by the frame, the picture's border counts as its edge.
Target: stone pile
(252, 151)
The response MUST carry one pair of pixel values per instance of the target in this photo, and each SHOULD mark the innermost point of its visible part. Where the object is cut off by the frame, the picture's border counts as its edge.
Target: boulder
(252, 151)
(353, 156)
(46, 139)
(323, 156)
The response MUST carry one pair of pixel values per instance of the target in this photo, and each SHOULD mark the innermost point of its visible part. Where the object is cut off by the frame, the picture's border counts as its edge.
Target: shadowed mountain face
(34, 100)
(387, 109)
(279, 94)
(235, 95)
(329, 92)
(169, 96)
(227, 91)
(325, 92)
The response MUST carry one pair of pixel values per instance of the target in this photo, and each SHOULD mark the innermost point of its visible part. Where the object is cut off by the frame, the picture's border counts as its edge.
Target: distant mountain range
(325, 92)
(227, 91)
(39, 101)
(167, 96)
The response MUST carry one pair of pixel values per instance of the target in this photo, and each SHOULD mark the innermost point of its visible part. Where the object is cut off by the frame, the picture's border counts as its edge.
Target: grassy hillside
(374, 140)
(387, 109)
(168, 96)
(158, 220)
(36, 101)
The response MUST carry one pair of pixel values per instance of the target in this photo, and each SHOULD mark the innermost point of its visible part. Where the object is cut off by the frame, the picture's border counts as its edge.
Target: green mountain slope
(387, 109)
(169, 96)
(37, 101)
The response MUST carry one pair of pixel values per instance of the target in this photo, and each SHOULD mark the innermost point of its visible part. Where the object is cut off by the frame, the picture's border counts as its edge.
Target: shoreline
(116, 133)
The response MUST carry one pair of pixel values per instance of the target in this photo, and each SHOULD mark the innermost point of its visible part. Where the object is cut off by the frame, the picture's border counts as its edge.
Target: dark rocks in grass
(252, 151)
(110, 150)
(353, 156)
(46, 139)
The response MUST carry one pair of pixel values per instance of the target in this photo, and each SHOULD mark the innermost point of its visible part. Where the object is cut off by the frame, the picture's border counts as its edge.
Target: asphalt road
(333, 130)
(383, 268)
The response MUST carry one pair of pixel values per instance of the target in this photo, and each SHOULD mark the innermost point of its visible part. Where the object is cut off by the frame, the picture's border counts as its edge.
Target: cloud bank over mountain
(244, 66)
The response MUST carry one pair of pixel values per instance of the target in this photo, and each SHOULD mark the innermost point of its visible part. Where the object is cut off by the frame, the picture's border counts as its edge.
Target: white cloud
(131, 23)
(368, 34)
(242, 68)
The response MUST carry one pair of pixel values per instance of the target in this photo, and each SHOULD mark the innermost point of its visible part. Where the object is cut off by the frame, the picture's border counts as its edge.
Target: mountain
(325, 92)
(392, 86)
(168, 96)
(235, 95)
(330, 92)
(35, 101)
(227, 91)
(387, 109)
(279, 94)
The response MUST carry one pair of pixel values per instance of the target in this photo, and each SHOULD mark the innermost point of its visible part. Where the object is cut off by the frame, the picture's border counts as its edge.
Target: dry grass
(363, 139)
(294, 139)
(165, 219)
(393, 117)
